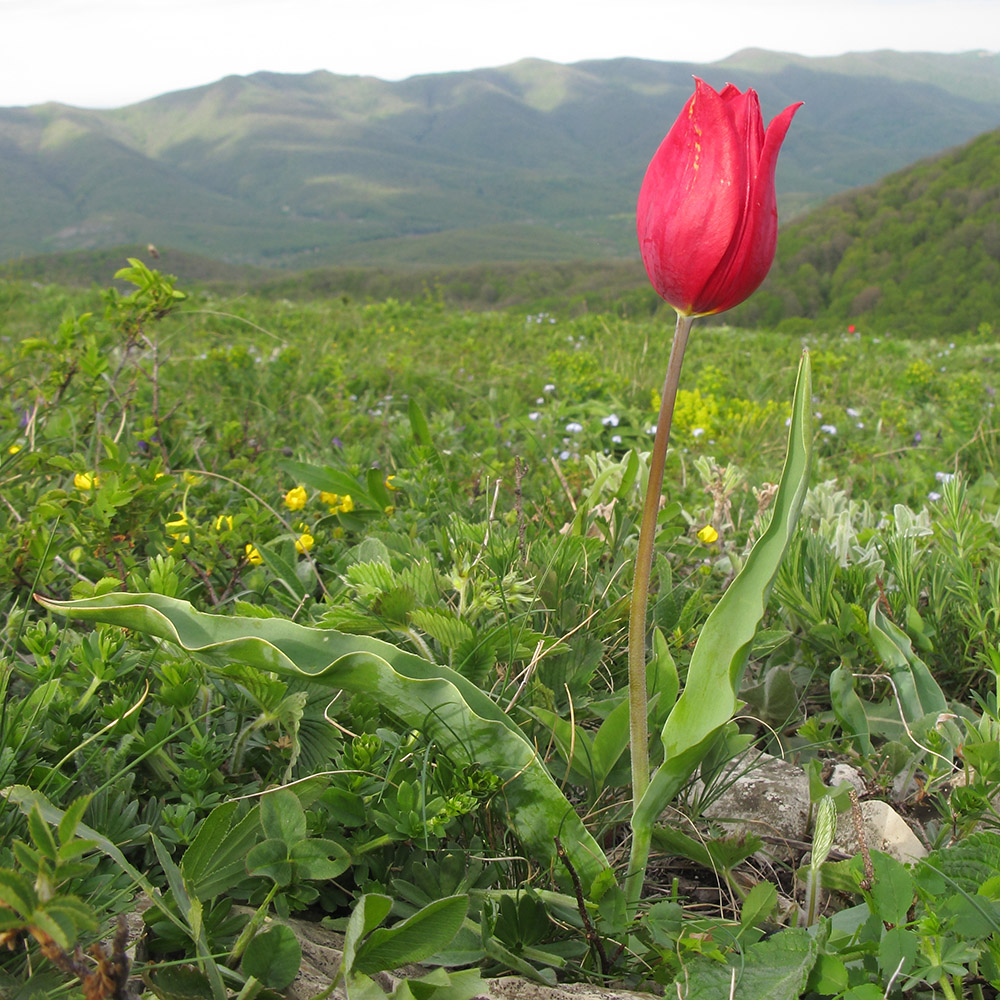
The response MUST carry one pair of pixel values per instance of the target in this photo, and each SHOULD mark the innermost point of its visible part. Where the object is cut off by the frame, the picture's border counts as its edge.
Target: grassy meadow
(465, 487)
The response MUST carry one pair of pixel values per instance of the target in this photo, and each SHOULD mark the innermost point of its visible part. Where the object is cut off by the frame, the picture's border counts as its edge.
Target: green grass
(490, 528)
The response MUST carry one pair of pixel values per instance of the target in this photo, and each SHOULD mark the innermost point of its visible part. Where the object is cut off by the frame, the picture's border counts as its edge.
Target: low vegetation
(383, 548)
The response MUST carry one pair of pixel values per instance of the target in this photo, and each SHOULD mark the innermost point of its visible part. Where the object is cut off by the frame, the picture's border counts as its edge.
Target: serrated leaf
(891, 894)
(443, 625)
(72, 913)
(965, 866)
(475, 658)
(394, 605)
(178, 982)
(42, 837)
(74, 849)
(774, 969)
(72, 818)
(215, 861)
(58, 926)
(370, 579)
(758, 905)
(17, 892)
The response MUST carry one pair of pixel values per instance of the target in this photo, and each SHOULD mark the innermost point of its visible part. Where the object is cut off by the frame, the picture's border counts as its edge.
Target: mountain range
(535, 160)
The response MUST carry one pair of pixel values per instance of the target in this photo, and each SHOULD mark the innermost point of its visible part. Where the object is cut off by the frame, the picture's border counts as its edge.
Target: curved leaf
(414, 939)
(709, 698)
(445, 706)
(917, 691)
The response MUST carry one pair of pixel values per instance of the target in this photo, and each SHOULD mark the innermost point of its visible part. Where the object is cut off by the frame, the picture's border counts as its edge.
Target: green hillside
(919, 252)
(530, 161)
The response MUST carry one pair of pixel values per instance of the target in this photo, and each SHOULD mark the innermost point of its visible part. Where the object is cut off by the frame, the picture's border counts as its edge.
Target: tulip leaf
(916, 690)
(448, 708)
(709, 698)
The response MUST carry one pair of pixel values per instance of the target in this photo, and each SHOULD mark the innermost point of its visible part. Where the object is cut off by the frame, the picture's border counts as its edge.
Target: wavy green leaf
(917, 691)
(709, 698)
(441, 703)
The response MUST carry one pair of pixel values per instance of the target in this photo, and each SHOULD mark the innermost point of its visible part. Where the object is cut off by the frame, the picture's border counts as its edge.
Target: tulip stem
(638, 711)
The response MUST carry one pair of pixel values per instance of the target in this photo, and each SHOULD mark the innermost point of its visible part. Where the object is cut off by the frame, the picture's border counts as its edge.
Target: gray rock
(767, 796)
(844, 774)
(885, 830)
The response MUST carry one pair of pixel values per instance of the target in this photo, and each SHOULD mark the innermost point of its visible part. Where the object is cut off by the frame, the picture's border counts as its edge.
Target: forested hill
(918, 252)
(532, 161)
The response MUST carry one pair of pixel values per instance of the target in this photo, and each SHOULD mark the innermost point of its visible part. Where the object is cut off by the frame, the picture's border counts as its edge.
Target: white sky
(108, 53)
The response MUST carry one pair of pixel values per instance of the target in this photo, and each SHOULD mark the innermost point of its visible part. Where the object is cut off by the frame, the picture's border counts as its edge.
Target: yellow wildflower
(13, 449)
(253, 554)
(85, 481)
(178, 521)
(296, 497)
(708, 534)
(346, 504)
(191, 478)
(330, 499)
(304, 542)
(388, 483)
(224, 522)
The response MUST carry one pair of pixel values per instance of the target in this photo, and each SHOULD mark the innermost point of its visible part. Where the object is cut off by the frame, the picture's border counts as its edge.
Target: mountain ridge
(303, 170)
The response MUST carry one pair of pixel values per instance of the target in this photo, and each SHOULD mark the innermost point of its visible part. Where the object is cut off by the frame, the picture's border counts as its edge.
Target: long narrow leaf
(918, 693)
(709, 697)
(441, 703)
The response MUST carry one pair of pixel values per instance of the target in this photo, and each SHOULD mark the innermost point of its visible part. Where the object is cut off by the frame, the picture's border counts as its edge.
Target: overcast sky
(108, 53)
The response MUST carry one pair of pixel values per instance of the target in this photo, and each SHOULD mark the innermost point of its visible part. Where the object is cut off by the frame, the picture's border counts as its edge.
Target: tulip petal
(707, 214)
(751, 254)
(687, 213)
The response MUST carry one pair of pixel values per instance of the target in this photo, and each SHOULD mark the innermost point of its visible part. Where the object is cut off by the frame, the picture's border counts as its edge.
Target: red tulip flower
(707, 217)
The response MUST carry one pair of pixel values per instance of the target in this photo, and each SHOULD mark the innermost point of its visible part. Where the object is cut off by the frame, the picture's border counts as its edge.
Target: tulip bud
(707, 217)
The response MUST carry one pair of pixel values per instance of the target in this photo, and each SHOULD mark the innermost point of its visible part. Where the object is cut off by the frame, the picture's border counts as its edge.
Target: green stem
(254, 924)
(250, 989)
(638, 725)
